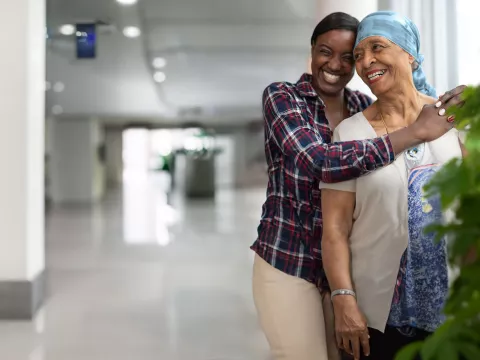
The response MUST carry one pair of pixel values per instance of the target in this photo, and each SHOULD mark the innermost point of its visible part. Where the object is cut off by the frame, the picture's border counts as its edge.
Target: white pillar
(114, 156)
(77, 171)
(356, 8)
(22, 67)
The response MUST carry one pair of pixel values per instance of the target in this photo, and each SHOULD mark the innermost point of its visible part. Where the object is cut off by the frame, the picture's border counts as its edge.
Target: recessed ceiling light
(127, 2)
(67, 29)
(131, 31)
(159, 76)
(57, 110)
(58, 87)
(159, 63)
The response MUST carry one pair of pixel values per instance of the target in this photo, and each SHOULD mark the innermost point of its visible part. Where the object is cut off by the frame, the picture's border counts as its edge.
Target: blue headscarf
(401, 31)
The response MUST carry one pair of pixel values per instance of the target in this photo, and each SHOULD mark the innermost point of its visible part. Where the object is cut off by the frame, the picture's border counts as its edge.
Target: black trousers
(384, 346)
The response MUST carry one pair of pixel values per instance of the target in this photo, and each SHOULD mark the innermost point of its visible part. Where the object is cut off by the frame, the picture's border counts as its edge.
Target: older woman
(388, 279)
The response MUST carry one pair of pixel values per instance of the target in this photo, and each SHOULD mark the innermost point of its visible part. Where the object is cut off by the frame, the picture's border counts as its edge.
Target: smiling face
(382, 65)
(332, 61)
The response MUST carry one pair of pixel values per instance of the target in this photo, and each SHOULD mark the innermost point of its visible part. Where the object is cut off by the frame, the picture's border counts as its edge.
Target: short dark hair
(335, 21)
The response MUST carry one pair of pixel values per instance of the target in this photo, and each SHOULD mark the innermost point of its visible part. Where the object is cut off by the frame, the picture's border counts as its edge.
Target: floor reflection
(116, 291)
(147, 215)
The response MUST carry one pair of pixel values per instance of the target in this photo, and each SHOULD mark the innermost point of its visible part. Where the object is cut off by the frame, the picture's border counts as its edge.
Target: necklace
(384, 123)
(414, 155)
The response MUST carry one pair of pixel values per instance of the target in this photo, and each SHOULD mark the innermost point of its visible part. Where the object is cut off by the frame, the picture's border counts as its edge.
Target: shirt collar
(305, 89)
(304, 86)
(354, 103)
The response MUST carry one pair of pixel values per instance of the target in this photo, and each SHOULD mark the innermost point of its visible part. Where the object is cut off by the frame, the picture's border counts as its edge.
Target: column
(240, 157)
(114, 156)
(77, 161)
(356, 8)
(22, 247)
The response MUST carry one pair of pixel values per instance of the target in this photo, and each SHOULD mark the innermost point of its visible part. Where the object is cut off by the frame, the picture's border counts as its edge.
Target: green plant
(458, 184)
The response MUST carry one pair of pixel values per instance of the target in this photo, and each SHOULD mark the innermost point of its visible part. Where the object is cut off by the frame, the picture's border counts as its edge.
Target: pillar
(114, 156)
(77, 161)
(22, 247)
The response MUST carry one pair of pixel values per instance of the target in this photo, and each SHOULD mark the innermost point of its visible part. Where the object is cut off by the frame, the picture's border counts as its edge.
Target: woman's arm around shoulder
(287, 126)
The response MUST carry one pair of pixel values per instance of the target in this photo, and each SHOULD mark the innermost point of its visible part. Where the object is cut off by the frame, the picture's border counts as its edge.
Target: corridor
(140, 277)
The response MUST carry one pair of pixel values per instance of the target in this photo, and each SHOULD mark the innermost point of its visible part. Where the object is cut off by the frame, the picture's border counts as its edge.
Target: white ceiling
(220, 56)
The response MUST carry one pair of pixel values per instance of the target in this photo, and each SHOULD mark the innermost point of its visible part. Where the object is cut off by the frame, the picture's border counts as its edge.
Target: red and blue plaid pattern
(299, 155)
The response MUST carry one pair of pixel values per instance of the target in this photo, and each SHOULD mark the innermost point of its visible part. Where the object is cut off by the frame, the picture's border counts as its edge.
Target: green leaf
(431, 347)
(409, 352)
(433, 343)
(468, 351)
(470, 310)
(469, 335)
(447, 352)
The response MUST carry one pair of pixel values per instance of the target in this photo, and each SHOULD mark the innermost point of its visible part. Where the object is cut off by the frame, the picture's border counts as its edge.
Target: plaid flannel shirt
(299, 155)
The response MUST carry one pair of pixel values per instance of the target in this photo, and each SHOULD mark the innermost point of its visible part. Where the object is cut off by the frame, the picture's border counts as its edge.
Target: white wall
(76, 174)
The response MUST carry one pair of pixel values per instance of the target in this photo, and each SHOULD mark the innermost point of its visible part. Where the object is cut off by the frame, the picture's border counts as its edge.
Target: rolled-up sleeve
(287, 125)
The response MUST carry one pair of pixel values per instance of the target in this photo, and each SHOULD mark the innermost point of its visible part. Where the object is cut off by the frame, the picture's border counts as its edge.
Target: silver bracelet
(343, 292)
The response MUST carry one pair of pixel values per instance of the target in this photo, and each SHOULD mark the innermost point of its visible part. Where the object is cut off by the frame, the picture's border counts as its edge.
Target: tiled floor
(136, 279)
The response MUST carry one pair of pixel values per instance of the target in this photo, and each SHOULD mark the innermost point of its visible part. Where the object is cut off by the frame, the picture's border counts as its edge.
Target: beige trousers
(297, 321)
